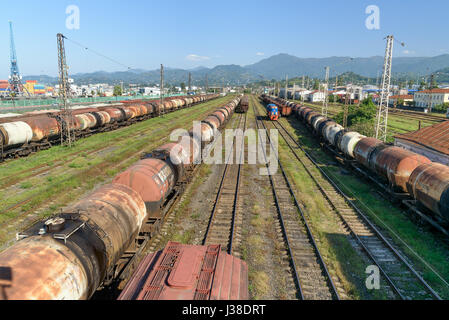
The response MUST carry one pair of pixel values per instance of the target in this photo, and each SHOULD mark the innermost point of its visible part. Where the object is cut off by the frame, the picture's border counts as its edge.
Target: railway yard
(314, 227)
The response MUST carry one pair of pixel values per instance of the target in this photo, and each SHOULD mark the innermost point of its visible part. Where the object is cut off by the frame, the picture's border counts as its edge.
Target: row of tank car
(405, 173)
(23, 134)
(69, 255)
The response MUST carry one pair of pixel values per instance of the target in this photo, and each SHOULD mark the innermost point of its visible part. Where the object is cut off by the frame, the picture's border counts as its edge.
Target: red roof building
(432, 142)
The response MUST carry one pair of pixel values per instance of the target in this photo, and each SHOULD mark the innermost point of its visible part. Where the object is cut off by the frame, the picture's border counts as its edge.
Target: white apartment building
(302, 94)
(316, 96)
(431, 98)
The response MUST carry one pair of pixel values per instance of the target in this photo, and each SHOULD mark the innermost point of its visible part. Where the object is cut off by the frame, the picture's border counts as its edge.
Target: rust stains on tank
(118, 211)
(43, 127)
(364, 148)
(152, 179)
(213, 122)
(397, 164)
(429, 184)
(43, 268)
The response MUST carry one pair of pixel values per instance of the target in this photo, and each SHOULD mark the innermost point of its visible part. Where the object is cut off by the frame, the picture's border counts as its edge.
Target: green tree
(117, 91)
(357, 115)
(422, 85)
(441, 108)
(316, 84)
(183, 86)
(433, 84)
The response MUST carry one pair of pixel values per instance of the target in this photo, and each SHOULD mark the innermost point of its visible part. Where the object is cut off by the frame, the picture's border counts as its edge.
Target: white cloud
(408, 52)
(260, 54)
(195, 57)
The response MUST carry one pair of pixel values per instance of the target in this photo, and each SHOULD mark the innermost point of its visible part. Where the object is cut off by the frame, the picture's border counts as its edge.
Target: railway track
(149, 241)
(25, 217)
(401, 277)
(69, 158)
(311, 275)
(418, 115)
(397, 112)
(222, 222)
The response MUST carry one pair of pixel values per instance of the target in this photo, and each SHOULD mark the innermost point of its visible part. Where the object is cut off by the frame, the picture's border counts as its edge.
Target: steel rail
(218, 197)
(309, 233)
(373, 228)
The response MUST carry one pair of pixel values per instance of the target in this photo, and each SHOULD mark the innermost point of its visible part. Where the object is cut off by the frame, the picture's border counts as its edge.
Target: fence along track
(401, 276)
(310, 272)
(221, 227)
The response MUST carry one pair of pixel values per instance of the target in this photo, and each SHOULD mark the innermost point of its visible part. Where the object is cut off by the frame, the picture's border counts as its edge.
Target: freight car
(70, 254)
(422, 185)
(213, 275)
(285, 107)
(31, 132)
(243, 105)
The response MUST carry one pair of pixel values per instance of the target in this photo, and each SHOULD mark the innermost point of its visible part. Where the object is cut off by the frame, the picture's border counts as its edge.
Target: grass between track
(393, 221)
(341, 259)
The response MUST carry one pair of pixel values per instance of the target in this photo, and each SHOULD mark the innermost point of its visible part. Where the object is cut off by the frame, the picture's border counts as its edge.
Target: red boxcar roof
(188, 272)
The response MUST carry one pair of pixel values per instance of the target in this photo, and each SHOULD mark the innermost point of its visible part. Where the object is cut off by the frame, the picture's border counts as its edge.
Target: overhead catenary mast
(67, 136)
(162, 88)
(325, 91)
(382, 110)
(190, 82)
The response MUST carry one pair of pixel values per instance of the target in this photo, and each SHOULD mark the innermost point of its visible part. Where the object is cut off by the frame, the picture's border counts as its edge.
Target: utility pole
(345, 114)
(303, 81)
(286, 87)
(325, 91)
(162, 87)
(382, 111)
(64, 93)
(190, 82)
(430, 92)
(207, 84)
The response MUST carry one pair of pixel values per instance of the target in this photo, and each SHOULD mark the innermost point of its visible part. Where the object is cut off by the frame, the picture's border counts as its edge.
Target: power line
(97, 53)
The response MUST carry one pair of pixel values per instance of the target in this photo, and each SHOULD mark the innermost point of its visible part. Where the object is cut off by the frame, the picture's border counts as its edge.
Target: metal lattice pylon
(382, 110)
(67, 135)
(324, 109)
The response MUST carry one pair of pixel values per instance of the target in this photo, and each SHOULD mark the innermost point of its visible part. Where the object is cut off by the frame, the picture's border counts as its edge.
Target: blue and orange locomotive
(273, 112)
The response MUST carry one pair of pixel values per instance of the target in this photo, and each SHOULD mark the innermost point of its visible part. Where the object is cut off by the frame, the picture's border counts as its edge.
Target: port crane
(15, 87)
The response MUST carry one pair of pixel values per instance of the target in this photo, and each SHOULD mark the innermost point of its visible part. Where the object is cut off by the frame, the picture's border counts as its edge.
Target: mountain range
(275, 67)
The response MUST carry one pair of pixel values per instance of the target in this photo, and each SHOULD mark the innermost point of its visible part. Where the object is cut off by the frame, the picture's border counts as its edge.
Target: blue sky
(186, 34)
